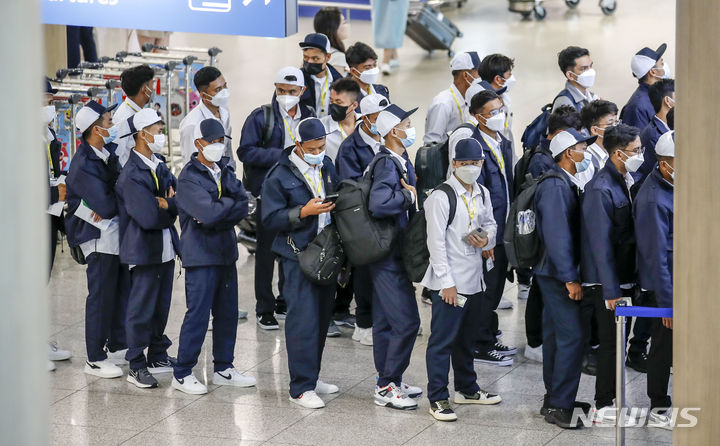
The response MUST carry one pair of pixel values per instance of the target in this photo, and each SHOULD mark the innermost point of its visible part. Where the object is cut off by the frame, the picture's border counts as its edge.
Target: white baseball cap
(645, 59)
(373, 103)
(465, 61)
(91, 112)
(666, 144)
(566, 139)
(145, 118)
(390, 117)
(290, 76)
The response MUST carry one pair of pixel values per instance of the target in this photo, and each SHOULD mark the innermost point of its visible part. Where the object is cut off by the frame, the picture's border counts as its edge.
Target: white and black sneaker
(661, 420)
(189, 385)
(479, 397)
(267, 321)
(506, 350)
(165, 366)
(441, 411)
(103, 369)
(333, 330)
(493, 358)
(142, 378)
(391, 396)
(231, 377)
(117, 357)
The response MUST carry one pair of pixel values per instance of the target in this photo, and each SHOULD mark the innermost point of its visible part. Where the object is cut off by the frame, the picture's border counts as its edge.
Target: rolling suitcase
(430, 29)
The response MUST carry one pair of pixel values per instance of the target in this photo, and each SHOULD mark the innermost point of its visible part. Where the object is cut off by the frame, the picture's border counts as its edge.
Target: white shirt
(168, 252)
(322, 94)
(214, 171)
(337, 60)
(574, 179)
(109, 241)
(444, 115)
(124, 145)
(601, 156)
(507, 132)
(335, 136)
(364, 92)
(314, 180)
(367, 139)
(452, 261)
(187, 131)
(289, 126)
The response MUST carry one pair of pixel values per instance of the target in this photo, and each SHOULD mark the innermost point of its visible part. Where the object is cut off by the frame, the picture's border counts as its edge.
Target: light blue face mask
(373, 127)
(112, 134)
(583, 165)
(409, 138)
(313, 160)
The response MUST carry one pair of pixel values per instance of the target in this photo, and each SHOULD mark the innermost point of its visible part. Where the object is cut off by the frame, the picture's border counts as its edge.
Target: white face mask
(287, 101)
(48, 114)
(587, 78)
(670, 168)
(633, 163)
(213, 152)
(666, 71)
(509, 82)
(468, 174)
(221, 98)
(158, 143)
(496, 123)
(369, 76)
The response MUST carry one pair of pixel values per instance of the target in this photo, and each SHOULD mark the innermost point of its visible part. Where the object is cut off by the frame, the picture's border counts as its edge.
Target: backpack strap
(269, 125)
(401, 171)
(452, 200)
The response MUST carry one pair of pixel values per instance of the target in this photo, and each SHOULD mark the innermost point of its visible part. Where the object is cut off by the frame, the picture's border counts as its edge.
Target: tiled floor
(88, 410)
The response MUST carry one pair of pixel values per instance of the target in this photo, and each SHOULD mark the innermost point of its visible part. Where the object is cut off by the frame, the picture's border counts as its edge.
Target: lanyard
(131, 107)
(323, 91)
(316, 187)
(219, 188)
(157, 184)
(471, 211)
(457, 103)
(290, 132)
(342, 132)
(499, 157)
(50, 163)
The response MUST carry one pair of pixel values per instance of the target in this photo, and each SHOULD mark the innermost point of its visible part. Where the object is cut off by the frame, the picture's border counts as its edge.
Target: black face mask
(338, 112)
(313, 68)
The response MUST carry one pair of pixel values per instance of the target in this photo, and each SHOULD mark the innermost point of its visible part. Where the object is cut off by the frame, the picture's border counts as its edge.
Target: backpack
(431, 166)
(521, 167)
(365, 239)
(538, 128)
(415, 253)
(322, 260)
(523, 246)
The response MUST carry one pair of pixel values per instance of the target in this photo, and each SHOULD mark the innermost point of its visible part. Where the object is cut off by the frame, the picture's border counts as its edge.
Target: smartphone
(479, 231)
(461, 300)
(627, 300)
(330, 198)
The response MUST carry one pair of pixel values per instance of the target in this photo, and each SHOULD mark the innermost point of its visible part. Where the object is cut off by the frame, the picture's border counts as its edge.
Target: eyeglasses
(636, 151)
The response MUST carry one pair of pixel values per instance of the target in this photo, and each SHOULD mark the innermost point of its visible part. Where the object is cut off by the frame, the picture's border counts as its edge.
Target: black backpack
(431, 166)
(415, 253)
(521, 167)
(523, 246)
(538, 129)
(365, 239)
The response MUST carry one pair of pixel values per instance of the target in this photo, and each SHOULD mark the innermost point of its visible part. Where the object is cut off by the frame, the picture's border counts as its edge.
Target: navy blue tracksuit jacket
(208, 226)
(257, 158)
(639, 110)
(541, 161)
(495, 182)
(653, 211)
(387, 196)
(649, 137)
(608, 235)
(354, 156)
(141, 219)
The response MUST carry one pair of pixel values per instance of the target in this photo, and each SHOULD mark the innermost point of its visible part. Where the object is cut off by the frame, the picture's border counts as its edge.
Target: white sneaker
(103, 369)
(325, 388)
(534, 353)
(118, 357)
(523, 291)
(391, 396)
(309, 400)
(363, 335)
(504, 304)
(50, 366)
(660, 420)
(231, 377)
(394, 63)
(357, 333)
(411, 391)
(189, 385)
(607, 416)
(57, 354)
(386, 69)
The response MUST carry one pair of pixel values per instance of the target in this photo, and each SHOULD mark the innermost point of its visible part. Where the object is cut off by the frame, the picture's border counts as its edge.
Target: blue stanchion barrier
(643, 311)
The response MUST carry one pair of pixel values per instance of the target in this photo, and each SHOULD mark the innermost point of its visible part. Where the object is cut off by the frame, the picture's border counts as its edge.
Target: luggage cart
(528, 8)
(212, 52)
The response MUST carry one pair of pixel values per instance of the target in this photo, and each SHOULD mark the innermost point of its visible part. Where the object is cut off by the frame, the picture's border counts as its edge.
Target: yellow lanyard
(342, 132)
(219, 188)
(157, 184)
(471, 211)
(323, 90)
(290, 132)
(499, 158)
(50, 163)
(131, 107)
(459, 107)
(317, 187)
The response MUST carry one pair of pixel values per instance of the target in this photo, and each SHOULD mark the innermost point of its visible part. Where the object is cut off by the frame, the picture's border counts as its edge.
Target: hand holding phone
(332, 198)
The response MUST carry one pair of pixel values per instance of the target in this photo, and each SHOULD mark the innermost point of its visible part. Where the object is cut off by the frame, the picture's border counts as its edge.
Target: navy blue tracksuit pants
(108, 286)
(564, 338)
(309, 307)
(265, 301)
(395, 319)
(495, 283)
(208, 288)
(147, 313)
(453, 331)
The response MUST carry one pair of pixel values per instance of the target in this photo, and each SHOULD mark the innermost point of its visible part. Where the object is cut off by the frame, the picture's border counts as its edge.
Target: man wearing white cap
(648, 67)
(92, 225)
(447, 108)
(267, 131)
(557, 205)
(146, 201)
(395, 313)
(653, 212)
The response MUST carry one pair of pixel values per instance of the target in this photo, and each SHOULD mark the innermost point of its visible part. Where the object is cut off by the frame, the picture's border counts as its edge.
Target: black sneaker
(441, 411)
(344, 319)
(165, 366)
(267, 321)
(492, 357)
(637, 361)
(280, 308)
(590, 363)
(333, 330)
(562, 418)
(503, 349)
(142, 378)
(585, 407)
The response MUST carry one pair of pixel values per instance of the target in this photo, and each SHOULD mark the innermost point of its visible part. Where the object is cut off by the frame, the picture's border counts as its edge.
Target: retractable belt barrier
(623, 311)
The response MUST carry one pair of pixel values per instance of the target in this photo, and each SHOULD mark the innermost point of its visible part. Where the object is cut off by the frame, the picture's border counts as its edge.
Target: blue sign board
(264, 18)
